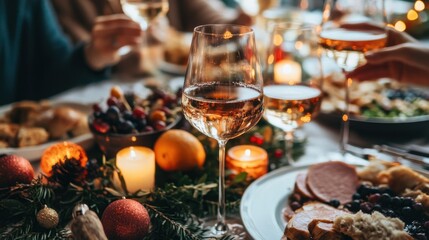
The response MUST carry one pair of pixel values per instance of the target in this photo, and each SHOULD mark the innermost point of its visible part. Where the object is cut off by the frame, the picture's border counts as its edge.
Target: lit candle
(287, 71)
(247, 158)
(137, 166)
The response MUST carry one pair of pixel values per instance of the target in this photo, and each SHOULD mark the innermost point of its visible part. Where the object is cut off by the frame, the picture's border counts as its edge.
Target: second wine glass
(350, 28)
(143, 12)
(222, 95)
(293, 80)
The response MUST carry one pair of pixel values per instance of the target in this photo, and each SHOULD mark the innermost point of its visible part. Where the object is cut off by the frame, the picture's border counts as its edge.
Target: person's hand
(108, 35)
(404, 62)
(403, 59)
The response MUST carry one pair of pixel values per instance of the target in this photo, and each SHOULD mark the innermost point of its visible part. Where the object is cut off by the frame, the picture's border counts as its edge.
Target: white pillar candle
(137, 165)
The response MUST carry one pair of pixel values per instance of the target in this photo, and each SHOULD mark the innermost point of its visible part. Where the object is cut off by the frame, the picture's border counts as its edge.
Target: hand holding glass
(346, 35)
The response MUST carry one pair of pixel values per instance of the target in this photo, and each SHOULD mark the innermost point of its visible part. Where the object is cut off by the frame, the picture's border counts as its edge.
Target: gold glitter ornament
(47, 218)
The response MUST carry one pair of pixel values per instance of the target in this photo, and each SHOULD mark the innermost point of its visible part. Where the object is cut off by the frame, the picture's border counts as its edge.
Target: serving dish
(382, 105)
(33, 153)
(264, 201)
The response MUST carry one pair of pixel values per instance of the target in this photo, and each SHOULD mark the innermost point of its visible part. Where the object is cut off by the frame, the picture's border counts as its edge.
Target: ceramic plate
(34, 153)
(265, 199)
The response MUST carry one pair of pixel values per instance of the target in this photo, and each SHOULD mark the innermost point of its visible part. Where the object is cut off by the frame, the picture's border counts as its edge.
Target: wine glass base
(235, 228)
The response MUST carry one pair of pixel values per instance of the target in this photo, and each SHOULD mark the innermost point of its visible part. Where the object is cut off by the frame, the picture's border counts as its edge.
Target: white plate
(34, 153)
(172, 68)
(264, 201)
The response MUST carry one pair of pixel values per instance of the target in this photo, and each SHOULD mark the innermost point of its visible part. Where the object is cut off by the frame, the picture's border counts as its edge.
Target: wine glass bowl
(293, 79)
(144, 11)
(349, 29)
(222, 95)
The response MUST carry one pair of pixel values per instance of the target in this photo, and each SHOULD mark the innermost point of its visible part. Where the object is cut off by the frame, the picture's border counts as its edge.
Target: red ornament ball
(15, 169)
(125, 219)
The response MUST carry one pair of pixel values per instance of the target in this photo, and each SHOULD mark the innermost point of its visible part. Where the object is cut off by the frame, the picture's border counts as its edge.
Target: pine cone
(69, 171)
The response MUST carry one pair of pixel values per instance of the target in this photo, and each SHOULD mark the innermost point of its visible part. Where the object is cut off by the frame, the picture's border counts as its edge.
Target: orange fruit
(178, 150)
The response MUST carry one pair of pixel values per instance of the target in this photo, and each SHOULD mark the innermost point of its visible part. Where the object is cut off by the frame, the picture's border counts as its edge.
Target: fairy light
(277, 40)
(412, 15)
(419, 5)
(400, 26)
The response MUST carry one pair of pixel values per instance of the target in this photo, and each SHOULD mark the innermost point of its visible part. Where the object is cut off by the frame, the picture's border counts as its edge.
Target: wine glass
(144, 12)
(293, 79)
(222, 95)
(349, 29)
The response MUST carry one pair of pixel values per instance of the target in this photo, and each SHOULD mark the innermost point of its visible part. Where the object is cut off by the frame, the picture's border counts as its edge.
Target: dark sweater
(36, 58)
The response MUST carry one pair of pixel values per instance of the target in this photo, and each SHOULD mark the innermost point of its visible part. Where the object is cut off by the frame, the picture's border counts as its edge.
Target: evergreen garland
(175, 206)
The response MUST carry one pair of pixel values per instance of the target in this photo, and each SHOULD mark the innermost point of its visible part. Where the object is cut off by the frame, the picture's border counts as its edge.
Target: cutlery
(387, 153)
(404, 154)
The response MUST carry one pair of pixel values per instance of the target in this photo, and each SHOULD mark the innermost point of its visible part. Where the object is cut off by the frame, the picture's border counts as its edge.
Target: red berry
(159, 125)
(373, 198)
(260, 141)
(96, 107)
(139, 113)
(278, 153)
(100, 126)
(253, 139)
(148, 129)
(112, 101)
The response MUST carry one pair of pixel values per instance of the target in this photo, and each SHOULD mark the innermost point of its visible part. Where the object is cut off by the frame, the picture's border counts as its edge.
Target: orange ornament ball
(58, 153)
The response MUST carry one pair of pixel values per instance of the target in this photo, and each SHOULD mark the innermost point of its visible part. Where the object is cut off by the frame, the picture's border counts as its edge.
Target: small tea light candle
(137, 165)
(247, 158)
(288, 72)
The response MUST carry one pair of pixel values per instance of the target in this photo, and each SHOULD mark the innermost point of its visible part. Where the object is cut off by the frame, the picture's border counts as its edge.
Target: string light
(400, 26)
(412, 15)
(419, 5)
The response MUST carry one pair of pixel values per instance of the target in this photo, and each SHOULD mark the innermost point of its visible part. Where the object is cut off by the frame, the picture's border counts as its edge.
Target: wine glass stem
(289, 139)
(345, 126)
(221, 213)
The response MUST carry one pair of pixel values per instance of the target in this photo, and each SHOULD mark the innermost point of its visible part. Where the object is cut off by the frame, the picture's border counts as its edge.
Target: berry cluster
(128, 113)
(369, 198)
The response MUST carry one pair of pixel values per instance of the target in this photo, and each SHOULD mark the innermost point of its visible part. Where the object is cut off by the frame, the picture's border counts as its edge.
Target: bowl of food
(125, 120)
(379, 106)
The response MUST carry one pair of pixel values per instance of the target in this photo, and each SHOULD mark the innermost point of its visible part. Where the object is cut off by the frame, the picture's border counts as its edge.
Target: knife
(404, 154)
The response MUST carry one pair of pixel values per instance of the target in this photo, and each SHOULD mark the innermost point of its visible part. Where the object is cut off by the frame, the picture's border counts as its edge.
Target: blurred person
(185, 15)
(77, 17)
(37, 60)
(404, 59)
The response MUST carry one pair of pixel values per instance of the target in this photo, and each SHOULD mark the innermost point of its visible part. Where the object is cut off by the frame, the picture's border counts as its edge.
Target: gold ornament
(47, 218)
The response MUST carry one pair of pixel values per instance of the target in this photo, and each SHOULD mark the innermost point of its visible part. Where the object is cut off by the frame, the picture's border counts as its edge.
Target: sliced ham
(332, 180)
(301, 186)
(298, 226)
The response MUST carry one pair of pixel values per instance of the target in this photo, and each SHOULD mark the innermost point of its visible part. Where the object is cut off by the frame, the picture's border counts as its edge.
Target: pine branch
(169, 226)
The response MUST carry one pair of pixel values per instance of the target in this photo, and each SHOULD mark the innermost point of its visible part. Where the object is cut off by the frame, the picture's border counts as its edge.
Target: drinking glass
(293, 79)
(144, 12)
(349, 29)
(222, 95)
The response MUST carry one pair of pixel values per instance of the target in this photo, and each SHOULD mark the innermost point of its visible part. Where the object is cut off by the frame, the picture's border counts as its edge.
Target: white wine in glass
(222, 98)
(349, 29)
(143, 12)
(293, 80)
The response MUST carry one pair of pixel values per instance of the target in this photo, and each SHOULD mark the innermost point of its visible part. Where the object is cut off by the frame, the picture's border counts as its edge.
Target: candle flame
(247, 152)
(132, 153)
